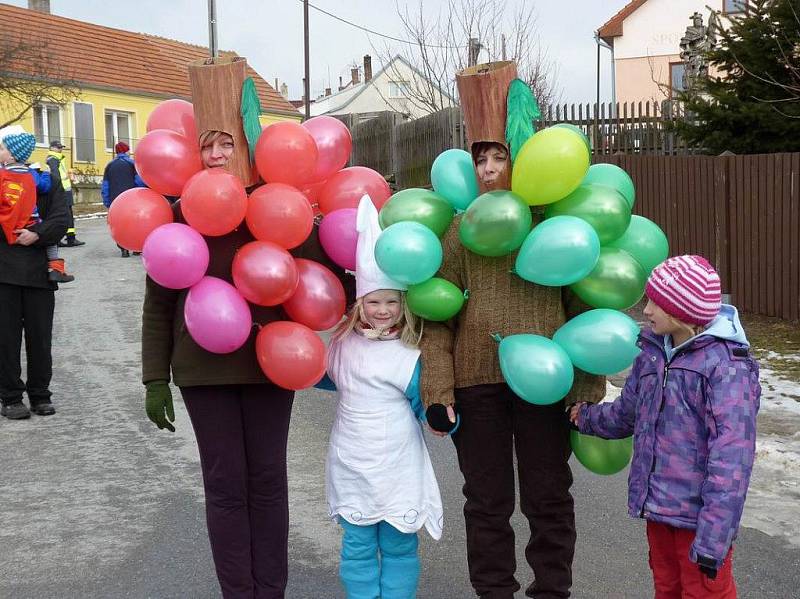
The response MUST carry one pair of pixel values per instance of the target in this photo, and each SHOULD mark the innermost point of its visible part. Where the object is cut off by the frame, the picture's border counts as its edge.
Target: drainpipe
(601, 42)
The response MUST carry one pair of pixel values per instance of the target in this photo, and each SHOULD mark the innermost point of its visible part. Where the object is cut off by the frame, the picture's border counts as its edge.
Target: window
(398, 89)
(84, 132)
(676, 70)
(731, 7)
(46, 123)
(118, 128)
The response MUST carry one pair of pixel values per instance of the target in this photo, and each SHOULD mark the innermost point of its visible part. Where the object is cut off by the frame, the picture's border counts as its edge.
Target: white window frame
(114, 112)
(742, 7)
(403, 87)
(673, 92)
(75, 157)
(47, 138)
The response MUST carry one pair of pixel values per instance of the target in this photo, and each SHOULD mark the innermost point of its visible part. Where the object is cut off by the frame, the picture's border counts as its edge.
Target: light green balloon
(418, 205)
(436, 299)
(549, 166)
(617, 281)
(536, 368)
(612, 176)
(600, 341)
(495, 224)
(645, 241)
(579, 131)
(602, 207)
(601, 456)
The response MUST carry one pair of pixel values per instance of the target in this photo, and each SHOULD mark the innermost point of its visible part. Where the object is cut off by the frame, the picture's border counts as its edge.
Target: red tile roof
(102, 57)
(613, 27)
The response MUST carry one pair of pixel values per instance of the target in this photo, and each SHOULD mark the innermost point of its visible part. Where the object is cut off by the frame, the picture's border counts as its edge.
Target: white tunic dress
(378, 467)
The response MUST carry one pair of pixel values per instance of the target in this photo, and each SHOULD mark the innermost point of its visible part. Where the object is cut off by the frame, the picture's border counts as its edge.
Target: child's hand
(26, 237)
(574, 411)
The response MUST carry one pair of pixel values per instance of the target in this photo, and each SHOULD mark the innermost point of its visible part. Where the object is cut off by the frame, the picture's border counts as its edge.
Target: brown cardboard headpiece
(217, 100)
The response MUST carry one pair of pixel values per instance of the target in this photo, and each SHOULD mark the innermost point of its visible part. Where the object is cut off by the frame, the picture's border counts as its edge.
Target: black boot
(71, 242)
(125, 253)
(43, 408)
(15, 411)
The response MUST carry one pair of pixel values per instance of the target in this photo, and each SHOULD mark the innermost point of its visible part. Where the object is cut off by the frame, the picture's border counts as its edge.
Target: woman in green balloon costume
(462, 369)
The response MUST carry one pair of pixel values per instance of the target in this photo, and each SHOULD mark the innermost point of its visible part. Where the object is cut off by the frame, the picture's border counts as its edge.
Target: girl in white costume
(380, 483)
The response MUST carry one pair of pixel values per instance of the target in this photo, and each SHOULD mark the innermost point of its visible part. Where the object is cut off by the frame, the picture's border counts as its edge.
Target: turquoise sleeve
(413, 393)
(326, 384)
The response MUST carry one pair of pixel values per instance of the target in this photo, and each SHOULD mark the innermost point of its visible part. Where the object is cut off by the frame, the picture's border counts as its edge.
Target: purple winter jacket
(693, 418)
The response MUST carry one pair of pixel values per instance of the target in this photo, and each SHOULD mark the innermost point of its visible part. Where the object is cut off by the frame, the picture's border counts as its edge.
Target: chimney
(367, 68)
(354, 76)
(341, 87)
(327, 91)
(39, 6)
(276, 84)
(285, 90)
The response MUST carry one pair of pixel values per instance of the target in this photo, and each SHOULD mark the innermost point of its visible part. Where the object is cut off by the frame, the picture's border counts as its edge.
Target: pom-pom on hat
(18, 142)
(686, 287)
(121, 147)
(369, 276)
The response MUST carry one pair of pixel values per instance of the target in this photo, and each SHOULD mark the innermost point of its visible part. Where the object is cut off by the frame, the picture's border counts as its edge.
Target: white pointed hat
(369, 277)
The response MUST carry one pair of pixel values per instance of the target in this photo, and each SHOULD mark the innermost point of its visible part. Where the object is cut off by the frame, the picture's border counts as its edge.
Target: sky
(269, 33)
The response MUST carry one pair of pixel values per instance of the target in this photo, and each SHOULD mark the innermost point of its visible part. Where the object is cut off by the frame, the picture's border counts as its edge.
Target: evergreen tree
(750, 103)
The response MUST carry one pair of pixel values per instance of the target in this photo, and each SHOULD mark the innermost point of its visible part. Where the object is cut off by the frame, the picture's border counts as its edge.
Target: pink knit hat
(686, 287)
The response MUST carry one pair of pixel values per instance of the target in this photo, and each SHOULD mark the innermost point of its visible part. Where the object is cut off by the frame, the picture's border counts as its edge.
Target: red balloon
(286, 153)
(264, 273)
(319, 301)
(175, 115)
(334, 144)
(135, 214)
(311, 191)
(345, 188)
(281, 214)
(166, 161)
(290, 354)
(214, 202)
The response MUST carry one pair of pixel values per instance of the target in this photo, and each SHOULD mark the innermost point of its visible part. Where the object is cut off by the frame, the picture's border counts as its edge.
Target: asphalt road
(95, 502)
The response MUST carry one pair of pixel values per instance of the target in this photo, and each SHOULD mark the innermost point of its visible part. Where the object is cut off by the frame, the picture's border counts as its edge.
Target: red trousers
(674, 576)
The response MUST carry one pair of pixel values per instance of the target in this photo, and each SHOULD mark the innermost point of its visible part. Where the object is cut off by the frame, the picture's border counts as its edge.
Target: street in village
(96, 502)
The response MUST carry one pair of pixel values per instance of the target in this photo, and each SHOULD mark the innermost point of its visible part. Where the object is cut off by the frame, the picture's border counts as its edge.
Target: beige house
(644, 39)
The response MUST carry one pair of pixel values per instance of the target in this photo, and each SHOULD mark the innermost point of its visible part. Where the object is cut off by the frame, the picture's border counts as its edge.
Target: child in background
(690, 403)
(380, 482)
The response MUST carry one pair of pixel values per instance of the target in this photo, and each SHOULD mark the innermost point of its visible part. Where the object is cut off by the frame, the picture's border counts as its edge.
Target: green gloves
(158, 404)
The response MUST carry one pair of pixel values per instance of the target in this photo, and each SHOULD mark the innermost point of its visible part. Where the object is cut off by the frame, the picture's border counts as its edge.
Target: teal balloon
(602, 207)
(559, 251)
(408, 252)
(495, 224)
(613, 176)
(645, 241)
(436, 299)
(453, 177)
(617, 281)
(600, 341)
(579, 131)
(601, 456)
(536, 368)
(418, 205)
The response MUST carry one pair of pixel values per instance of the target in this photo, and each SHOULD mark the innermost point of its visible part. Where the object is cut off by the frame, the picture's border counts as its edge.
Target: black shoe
(126, 253)
(59, 277)
(137, 253)
(43, 408)
(15, 411)
(71, 242)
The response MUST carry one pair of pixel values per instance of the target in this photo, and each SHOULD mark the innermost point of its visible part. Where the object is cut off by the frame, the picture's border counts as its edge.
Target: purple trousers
(241, 433)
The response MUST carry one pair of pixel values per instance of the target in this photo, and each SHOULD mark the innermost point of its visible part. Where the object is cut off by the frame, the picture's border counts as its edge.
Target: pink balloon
(345, 188)
(217, 316)
(338, 236)
(175, 115)
(264, 273)
(334, 144)
(166, 161)
(175, 256)
(319, 301)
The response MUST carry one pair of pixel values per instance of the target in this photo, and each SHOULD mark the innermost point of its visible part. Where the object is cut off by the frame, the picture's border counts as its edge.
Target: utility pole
(473, 50)
(307, 79)
(212, 30)
(503, 39)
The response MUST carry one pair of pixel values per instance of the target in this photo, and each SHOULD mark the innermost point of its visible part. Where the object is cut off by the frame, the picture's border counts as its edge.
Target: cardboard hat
(217, 101)
(483, 91)
(369, 276)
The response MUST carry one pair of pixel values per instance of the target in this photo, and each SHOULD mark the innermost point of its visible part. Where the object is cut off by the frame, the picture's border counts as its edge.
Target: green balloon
(645, 241)
(577, 130)
(600, 341)
(612, 176)
(602, 207)
(495, 224)
(617, 282)
(601, 456)
(549, 166)
(419, 205)
(436, 299)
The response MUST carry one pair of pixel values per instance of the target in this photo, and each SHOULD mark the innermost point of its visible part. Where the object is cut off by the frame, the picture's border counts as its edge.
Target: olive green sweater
(166, 342)
(462, 353)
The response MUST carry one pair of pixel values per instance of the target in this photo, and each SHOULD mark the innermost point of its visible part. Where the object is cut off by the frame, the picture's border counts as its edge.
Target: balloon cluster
(303, 167)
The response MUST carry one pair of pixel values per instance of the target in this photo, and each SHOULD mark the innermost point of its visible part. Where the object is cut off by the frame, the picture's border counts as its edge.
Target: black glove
(708, 566)
(437, 418)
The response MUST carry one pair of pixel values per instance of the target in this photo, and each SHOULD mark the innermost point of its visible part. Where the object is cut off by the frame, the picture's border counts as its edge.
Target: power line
(373, 32)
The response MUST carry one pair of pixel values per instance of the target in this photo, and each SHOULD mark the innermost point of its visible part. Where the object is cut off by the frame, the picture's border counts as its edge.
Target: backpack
(17, 201)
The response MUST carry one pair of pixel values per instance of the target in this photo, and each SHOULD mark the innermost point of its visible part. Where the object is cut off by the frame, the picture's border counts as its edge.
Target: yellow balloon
(549, 166)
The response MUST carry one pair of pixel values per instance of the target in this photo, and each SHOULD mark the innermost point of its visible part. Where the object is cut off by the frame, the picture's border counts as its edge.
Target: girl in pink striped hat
(690, 403)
